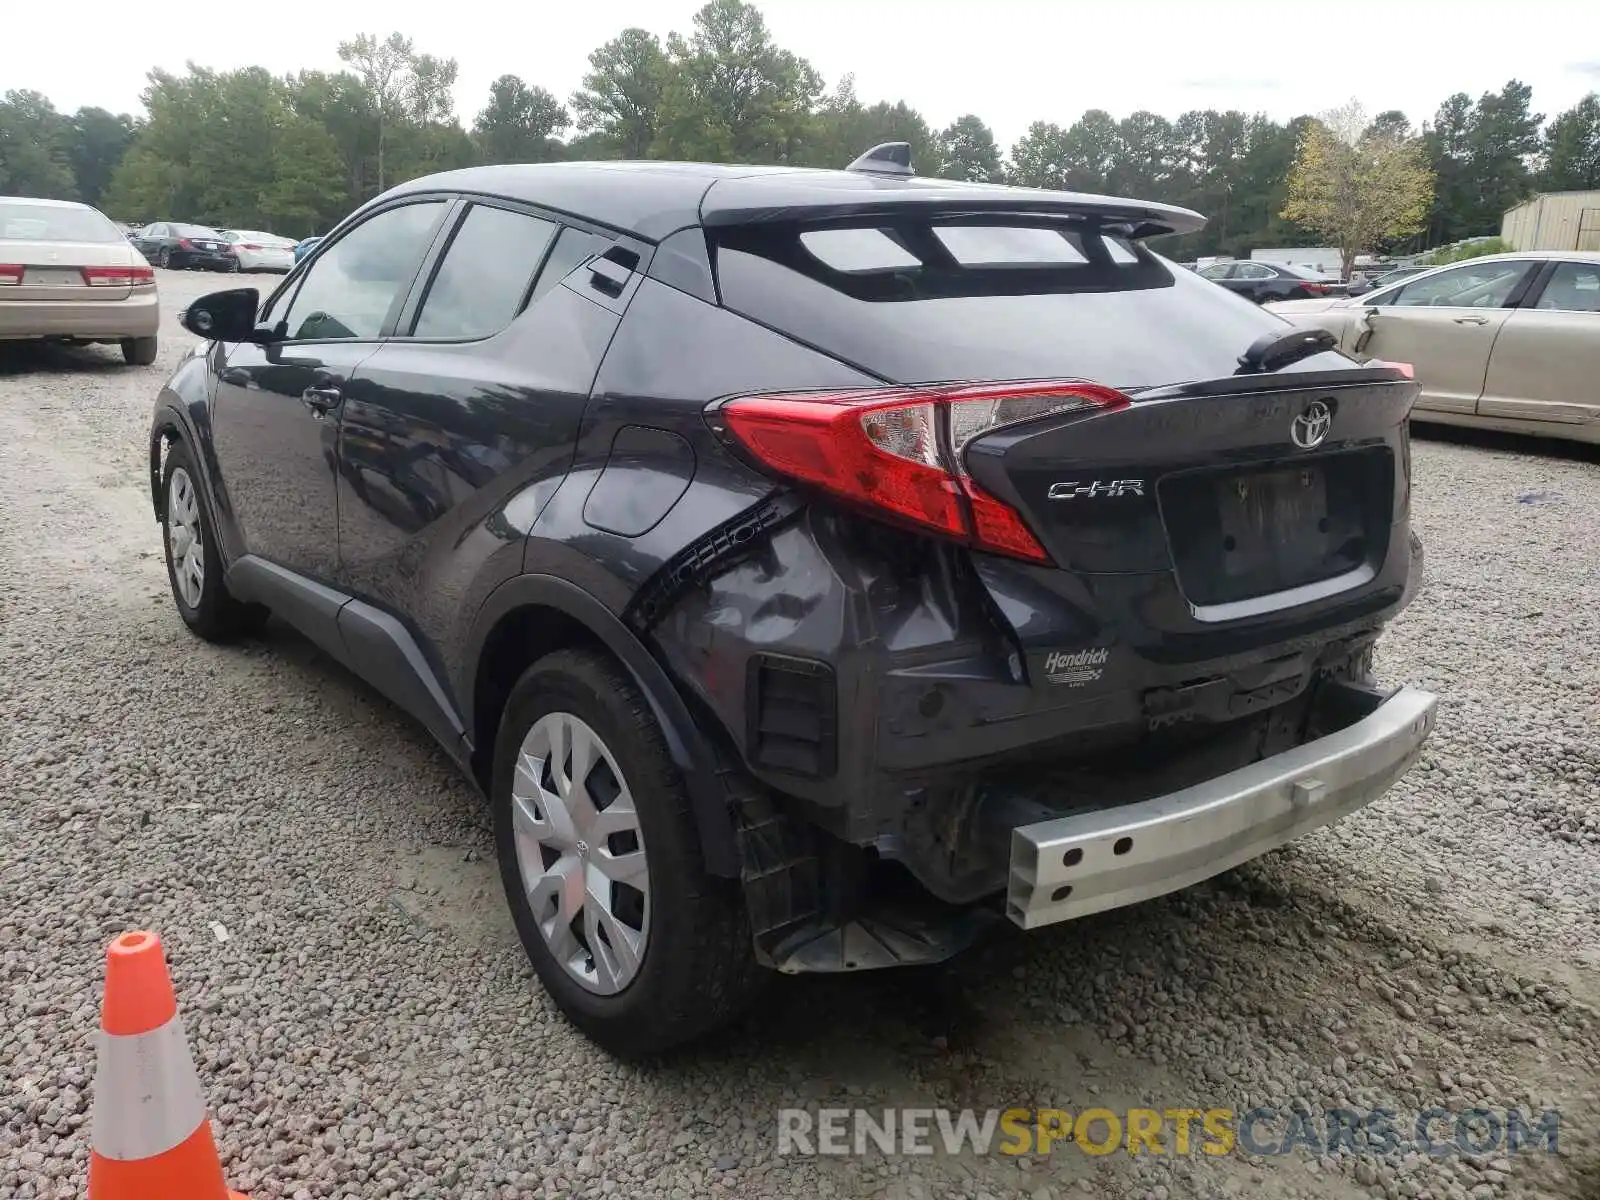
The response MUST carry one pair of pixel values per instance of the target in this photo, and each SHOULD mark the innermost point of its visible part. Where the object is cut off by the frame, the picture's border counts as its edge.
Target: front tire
(194, 567)
(601, 862)
(139, 352)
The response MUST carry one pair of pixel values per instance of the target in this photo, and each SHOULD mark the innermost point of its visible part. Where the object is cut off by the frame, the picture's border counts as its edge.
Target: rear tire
(695, 967)
(139, 352)
(194, 565)
(164, 257)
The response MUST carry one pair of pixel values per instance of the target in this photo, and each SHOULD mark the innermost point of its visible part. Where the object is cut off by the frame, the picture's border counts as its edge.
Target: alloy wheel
(185, 544)
(581, 853)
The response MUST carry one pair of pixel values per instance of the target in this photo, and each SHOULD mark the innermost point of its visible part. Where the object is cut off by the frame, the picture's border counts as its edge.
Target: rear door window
(987, 298)
(485, 274)
(1574, 287)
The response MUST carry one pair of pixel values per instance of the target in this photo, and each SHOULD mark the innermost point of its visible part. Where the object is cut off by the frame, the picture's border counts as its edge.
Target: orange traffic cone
(150, 1139)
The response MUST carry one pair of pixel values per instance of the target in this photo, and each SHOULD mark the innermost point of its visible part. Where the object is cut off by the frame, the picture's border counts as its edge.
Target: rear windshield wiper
(1274, 351)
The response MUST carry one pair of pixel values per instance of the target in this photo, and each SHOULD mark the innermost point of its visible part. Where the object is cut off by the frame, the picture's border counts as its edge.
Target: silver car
(1506, 341)
(68, 274)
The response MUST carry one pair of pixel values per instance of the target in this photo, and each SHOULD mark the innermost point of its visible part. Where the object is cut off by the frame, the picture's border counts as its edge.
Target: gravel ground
(366, 1025)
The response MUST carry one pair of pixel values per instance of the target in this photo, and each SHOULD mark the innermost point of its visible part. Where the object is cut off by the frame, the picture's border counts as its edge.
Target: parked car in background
(644, 488)
(177, 244)
(1261, 281)
(68, 275)
(257, 251)
(305, 246)
(1360, 287)
(1507, 341)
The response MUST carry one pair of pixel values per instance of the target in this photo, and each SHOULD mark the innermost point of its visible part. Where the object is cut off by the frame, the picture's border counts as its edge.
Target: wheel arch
(531, 615)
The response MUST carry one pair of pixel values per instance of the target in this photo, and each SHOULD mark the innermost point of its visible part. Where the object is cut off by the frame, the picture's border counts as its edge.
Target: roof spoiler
(889, 158)
(766, 199)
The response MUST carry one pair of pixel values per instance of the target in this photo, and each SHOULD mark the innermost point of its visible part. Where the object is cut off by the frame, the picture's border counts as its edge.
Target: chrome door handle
(1472, 320)
(321, 399)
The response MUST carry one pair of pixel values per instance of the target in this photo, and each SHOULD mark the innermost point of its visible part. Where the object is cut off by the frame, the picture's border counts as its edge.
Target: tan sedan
(1507, 341)
(67, 274)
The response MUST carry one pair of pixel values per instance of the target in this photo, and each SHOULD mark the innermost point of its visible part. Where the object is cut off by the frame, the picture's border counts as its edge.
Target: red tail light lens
(10, 275)
(247, 246)
(185, 244)
(120, 277)
(900, 450)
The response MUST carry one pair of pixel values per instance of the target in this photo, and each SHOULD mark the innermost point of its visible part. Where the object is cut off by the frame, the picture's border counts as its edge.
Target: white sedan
(259, 251)
(1506, 341)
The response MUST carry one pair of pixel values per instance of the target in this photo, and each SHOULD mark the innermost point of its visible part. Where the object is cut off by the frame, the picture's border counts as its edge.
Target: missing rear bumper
(1071, 866)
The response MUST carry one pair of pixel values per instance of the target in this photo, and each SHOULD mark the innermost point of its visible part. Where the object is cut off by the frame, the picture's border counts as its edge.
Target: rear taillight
(247, 246)
(10, 275)
(119, 277)
(185, 244)
(900, 450)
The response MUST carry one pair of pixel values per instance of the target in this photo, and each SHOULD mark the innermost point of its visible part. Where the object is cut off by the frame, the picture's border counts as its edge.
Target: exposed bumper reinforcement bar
(1087, 862)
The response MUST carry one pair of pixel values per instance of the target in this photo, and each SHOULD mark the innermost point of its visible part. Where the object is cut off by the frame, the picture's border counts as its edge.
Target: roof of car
(42, 201)
(654, 199)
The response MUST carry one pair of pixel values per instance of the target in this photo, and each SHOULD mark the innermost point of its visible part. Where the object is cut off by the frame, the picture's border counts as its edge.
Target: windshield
(24, 222)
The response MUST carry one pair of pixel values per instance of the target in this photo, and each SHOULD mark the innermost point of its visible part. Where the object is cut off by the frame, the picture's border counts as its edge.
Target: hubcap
(581, 853)
(185, 546)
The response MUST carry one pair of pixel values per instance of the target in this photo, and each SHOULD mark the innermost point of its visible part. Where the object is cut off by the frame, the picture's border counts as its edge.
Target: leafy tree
(1572, 148)
(35, 140)
(402, 85)
(1078, 158)
(519, 123)
(733, 95)
(95, 144)
(843, 129)
(967, 151)
(621, 95)
(1358, 186)
(307, 194)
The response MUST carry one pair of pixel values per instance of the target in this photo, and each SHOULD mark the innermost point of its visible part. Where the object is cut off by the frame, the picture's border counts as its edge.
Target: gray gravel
(366, 1025)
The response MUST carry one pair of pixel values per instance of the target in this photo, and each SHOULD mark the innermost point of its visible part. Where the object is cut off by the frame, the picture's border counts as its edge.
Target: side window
(484, 275)
(1574, 287)
(571, 248)
(349, 290)
(1253, 271)
(1471, 285)
(1216, 271)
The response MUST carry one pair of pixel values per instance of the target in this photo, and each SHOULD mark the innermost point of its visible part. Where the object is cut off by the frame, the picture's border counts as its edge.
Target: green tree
(842, 128)
(733, 94)
(1148, 162)
(403, 88)
(96, 143)
(1357, 185)
(35, 148)
(307, 193)
(1572, 148)
(967, 151)
(621, 95)
(519, 124)
(1078, 158)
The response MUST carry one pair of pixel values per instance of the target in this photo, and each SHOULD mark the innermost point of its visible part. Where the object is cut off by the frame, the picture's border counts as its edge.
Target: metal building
(1554, 221)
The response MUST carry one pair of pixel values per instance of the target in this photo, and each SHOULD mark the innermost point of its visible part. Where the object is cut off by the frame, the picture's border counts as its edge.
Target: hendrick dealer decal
(1076, 667)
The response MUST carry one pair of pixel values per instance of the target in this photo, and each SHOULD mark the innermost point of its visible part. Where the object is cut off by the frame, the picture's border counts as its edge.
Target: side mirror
(228, 316)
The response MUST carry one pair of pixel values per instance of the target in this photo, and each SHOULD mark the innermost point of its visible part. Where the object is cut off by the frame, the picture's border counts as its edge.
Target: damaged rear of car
(814, 568)
(1069, 603)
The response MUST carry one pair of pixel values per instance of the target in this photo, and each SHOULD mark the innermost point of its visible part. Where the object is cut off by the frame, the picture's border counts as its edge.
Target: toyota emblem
(1311, 426)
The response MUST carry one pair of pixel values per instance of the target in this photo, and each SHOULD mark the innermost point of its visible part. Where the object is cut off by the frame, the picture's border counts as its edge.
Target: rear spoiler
(798, 196)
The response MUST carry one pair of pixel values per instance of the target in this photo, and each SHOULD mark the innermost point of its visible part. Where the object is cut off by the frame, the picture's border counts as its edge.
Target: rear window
(196, 231)
(49, 223)
(925, 301)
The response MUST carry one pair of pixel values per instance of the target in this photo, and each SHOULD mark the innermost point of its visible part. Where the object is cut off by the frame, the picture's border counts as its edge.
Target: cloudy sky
(1010, 61)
